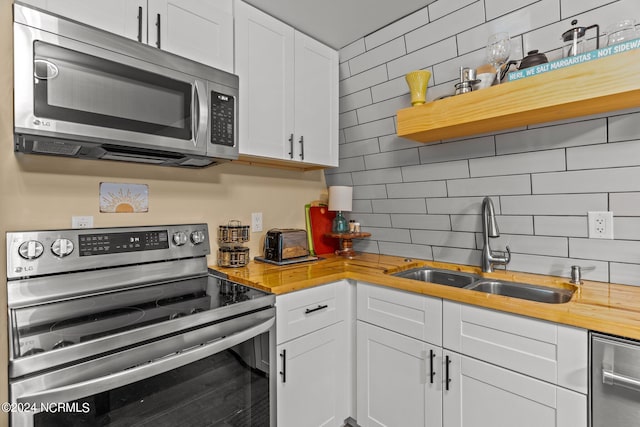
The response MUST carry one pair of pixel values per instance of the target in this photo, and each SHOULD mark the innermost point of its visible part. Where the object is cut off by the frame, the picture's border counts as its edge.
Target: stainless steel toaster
(282, 244)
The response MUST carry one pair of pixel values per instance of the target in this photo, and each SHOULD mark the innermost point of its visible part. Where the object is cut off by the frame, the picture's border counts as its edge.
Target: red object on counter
(321, 222)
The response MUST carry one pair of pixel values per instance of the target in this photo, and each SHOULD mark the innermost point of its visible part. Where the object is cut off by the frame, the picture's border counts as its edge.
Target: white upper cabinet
(195, 29)
(198, 30)
(288, 91)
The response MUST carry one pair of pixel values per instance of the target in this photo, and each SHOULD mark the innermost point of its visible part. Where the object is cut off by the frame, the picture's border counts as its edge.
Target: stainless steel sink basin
(523, 291)
(441, 277)
(474, 282)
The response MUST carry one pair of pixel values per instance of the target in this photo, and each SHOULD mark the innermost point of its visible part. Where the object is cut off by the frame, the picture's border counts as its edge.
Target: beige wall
(44, 192)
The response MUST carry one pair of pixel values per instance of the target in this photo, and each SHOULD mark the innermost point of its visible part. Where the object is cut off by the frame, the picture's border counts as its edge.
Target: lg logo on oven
(23, 269)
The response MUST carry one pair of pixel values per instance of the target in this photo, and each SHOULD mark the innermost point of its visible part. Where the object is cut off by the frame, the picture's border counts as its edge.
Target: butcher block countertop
(598, 306)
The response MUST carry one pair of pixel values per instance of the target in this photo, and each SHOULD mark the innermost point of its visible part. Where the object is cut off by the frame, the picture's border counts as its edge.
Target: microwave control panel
(222, 119)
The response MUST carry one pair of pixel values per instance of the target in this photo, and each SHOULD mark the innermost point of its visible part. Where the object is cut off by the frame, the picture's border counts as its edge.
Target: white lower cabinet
(399, 379)
(484, 395)
(314, 356)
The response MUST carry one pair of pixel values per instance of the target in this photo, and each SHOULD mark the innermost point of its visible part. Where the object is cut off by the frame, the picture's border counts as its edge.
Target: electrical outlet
(600, 225)
(81, 222)
(256, 221)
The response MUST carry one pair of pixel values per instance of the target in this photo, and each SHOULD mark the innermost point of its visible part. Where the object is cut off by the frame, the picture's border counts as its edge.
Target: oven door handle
(614, 379)
(82, 389)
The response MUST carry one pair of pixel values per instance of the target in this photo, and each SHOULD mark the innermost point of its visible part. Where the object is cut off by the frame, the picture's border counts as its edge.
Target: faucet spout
(490, 229)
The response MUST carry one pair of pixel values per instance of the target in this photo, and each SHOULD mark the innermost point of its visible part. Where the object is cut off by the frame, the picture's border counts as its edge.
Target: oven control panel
(33, 253)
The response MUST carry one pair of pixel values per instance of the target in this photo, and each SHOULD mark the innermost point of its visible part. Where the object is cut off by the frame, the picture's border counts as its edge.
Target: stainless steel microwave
(86, 93)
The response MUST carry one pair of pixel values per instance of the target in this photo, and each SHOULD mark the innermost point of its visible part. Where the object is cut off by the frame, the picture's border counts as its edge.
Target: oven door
(201, 377)
(77, 88)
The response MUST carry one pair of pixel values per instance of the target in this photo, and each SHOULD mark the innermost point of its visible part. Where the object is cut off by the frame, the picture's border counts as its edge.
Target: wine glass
(498, 50)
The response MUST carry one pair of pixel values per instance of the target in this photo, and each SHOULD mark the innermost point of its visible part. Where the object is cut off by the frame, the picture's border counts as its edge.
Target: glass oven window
(220, 390)
(80, 88)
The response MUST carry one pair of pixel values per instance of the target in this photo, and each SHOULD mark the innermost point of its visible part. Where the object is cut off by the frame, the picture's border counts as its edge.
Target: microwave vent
(56, 148)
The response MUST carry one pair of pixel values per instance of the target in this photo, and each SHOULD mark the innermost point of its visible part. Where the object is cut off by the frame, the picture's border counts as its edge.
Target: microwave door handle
(82, 389)
(199, 114)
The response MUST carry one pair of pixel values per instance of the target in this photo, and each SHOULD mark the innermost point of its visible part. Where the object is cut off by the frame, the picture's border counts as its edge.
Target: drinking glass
(498, 50)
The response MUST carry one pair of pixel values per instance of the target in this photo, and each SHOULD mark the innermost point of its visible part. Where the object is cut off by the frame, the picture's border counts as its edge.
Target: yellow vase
(417, 81)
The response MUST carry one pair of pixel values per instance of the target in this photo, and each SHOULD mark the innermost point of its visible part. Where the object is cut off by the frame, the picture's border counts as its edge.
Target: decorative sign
(124, 198)
(573, 60)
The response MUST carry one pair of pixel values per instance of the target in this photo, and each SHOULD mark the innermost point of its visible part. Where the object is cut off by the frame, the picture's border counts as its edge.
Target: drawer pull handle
(446, 372)
(432, 373)
(284, 366)
(320, 307)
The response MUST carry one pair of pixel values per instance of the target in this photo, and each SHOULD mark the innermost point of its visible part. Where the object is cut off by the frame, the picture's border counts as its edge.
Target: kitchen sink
(474, 282)
(441, 277)
(523, 291)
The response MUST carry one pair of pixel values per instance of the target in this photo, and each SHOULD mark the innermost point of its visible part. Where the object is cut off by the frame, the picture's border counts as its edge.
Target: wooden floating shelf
(599, 86)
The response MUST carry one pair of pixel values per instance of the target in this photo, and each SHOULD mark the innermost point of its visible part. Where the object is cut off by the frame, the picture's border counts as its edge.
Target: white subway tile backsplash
(626, 228)
(388, 234)
(627, 274)
(553, 204)
(378, 176)
(604, 155)
(625, 204)
(459, 150)
(436, 171)
(587, 181)
(397, 28)
(459, 205)
(370, 130)
(355, 100)
(571, 226)
(381, 110)
(454, 23)
(378, 191)
(392, 159)
(406, 250)
(417, 189)
(439, 9)
(421, 222)
(423, 200)
(452, 239)
(359, 148)
(537, 15)
(512, 164)
(372, 220)
(606, 250)
(377, 56)
(500, 185)
(456, 255)
(363, 80)
(544, 138)
(496, 8)
(423, 58)
(624, 128)
(399, 206)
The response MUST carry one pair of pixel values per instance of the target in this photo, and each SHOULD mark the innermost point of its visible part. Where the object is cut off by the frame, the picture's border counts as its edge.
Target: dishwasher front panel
(615, 382)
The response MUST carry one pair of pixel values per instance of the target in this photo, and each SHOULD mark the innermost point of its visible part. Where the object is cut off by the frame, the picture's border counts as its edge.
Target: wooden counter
(598, 306)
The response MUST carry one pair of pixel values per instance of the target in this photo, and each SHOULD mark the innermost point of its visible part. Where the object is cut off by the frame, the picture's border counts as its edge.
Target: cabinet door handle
(432, 373)
(446, 372)
(291, 146)
(301, 147)
(158, 28)
(140, 24)
(284, 366)
(319, 307)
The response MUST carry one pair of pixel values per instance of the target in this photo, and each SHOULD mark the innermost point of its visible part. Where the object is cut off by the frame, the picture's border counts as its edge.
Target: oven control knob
(62, 247)
(179, 238)
(197, 237)
(31, 249)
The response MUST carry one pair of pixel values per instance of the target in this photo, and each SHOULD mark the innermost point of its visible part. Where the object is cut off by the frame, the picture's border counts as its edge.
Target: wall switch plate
(600, 225)
(256, 221)
(81, 222)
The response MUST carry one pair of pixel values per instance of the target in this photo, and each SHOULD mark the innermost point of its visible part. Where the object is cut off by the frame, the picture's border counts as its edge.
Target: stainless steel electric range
(124, 326)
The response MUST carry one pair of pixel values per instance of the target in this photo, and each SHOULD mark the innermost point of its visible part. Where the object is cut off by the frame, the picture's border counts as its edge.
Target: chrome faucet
(490, 229)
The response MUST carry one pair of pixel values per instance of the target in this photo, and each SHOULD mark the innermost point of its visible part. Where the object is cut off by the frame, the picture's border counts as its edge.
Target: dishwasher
(615, 381)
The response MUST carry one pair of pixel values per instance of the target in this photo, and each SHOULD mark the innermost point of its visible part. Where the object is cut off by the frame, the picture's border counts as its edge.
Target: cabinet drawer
(308, 310)
(407, 313)
(548, 351)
